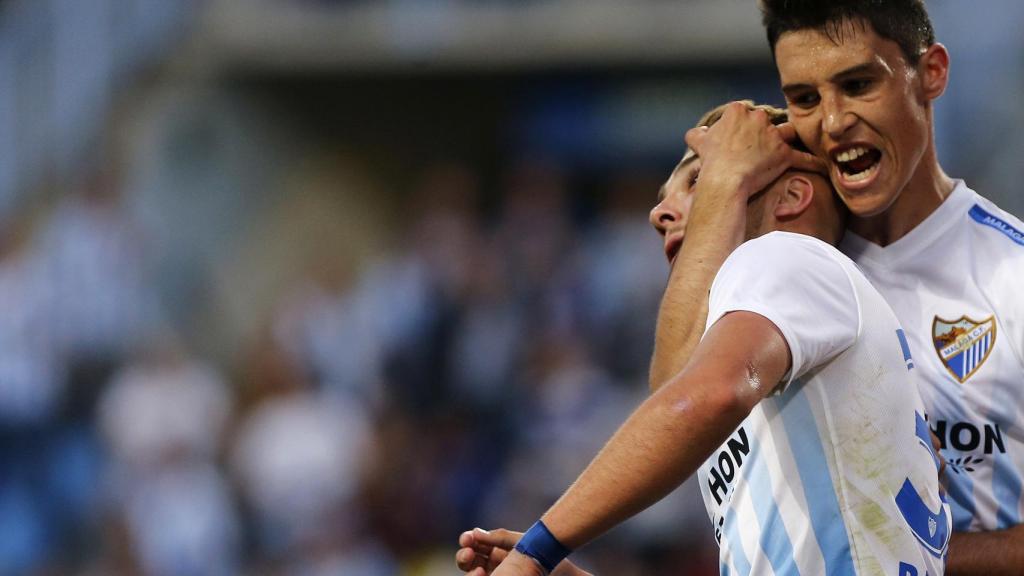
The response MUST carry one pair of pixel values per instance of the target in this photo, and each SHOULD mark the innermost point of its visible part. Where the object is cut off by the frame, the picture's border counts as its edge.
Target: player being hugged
(797, 407)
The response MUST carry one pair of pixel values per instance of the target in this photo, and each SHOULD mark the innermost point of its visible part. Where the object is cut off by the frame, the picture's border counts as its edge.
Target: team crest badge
(963, 345)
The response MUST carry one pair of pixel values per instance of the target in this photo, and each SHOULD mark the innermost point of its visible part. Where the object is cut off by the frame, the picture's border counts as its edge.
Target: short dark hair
(905, 22)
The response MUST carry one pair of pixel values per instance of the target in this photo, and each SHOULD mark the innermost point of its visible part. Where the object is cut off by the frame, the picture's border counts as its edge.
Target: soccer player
(860, 78)
(798, 399)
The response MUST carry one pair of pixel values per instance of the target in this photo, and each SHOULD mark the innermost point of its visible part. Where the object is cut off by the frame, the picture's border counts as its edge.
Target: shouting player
(797, 399)
(860, 78)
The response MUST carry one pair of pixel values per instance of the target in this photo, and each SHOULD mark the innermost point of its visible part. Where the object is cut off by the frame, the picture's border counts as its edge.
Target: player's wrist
(541, 546)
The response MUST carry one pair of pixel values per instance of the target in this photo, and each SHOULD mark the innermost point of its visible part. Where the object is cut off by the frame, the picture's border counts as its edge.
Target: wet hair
(905, 22)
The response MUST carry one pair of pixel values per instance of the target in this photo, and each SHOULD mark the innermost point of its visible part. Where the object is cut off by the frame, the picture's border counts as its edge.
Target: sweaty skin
(862, 91)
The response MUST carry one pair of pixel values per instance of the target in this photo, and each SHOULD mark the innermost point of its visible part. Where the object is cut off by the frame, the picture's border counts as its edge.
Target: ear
(795, 197)
(933, 69)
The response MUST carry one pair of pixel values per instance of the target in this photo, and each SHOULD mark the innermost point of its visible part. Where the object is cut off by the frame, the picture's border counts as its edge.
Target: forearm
(657, 448)
(716, 227)
(995, 553)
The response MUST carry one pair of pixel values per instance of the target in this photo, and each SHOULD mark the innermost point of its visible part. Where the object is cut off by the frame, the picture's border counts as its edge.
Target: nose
(664, 215)
(836, 117)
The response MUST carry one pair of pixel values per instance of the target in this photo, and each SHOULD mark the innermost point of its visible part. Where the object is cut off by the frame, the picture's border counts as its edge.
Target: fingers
(788, 133)
(807, 162)
(468, 559)
(481, 550)
(500, 538)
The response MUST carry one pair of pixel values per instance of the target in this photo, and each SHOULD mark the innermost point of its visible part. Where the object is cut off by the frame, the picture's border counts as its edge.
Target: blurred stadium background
(307, 287)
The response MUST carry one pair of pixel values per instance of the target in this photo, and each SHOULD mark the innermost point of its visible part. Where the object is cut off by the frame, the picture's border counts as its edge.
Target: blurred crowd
(462, 378)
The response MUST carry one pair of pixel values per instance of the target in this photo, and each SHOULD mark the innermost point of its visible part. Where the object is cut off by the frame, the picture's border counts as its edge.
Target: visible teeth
(851, 154)
(862, 175)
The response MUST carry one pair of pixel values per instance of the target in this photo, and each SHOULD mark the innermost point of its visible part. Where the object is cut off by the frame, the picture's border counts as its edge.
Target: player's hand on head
(798, 159)
(744, 147)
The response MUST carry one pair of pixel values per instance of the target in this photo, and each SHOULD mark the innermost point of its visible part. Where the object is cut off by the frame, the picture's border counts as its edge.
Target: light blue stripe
(1007, 490)
(775, 541)
(959, 485)
(826, 517)
(732, 536)
(961, 499)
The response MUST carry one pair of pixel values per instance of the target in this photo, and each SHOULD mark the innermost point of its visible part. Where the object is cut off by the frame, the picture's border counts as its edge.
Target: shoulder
(994, 226)
(785, 267)
(786, 251)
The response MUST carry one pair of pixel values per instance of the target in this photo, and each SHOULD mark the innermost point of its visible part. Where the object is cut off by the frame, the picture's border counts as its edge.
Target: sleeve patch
(983, 217)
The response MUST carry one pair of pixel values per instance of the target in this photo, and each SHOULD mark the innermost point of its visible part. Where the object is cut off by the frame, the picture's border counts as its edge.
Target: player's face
(675, 202)
(858, 104)
(670, 215)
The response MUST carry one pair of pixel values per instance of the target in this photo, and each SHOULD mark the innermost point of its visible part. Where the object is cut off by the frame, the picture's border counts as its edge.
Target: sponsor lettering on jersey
(963, 345)
(727, 465)
(981, 216)
(968, 438)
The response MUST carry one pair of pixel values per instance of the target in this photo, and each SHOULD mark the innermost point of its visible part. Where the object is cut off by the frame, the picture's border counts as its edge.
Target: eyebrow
(837, 77)
(686, 161)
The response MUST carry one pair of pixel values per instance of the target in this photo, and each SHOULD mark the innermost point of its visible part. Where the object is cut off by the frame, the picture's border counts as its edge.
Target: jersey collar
(923, 235)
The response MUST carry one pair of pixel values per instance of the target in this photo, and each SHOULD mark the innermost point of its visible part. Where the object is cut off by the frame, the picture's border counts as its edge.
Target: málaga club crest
(963, 345)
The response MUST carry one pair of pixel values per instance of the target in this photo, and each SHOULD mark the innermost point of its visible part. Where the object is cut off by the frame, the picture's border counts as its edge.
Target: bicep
(745, 352)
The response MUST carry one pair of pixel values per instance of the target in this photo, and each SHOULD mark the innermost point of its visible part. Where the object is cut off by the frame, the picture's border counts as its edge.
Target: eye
(803, 99)
(857, 85)
(692, 180)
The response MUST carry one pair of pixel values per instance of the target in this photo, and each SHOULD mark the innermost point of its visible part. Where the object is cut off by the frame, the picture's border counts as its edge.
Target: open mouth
(857, 163)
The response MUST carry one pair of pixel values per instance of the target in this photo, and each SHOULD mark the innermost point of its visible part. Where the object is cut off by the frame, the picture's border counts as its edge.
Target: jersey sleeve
(797, 284)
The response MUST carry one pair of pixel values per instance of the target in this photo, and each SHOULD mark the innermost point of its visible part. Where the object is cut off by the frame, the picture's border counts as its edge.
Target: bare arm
(741, 155)
(664, 441)
(673, 431)
(997, 553)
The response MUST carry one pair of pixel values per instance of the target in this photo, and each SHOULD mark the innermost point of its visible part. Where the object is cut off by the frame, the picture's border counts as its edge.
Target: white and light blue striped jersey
(955, 284)
(834, 472)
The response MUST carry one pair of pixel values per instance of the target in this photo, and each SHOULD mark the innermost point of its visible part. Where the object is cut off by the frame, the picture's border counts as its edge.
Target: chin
(868, 205)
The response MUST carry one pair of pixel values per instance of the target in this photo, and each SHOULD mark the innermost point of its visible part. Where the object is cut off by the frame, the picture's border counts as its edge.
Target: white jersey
(955, 284)
(834, 472)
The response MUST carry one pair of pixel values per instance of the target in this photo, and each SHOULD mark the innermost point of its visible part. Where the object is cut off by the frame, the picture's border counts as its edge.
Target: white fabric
(965, 260)
(809, 481)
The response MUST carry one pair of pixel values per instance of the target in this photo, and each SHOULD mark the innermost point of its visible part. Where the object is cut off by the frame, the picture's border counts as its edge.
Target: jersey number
(931, 530)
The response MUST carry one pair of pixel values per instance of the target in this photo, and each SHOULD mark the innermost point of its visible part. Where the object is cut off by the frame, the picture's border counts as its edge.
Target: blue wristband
(541, 545)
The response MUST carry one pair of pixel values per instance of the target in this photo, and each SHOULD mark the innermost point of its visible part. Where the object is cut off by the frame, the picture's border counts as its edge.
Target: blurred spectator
(331, 334)
(300, 457)
(31, 387)
(624, 274)
(100, 301)
(163, 417)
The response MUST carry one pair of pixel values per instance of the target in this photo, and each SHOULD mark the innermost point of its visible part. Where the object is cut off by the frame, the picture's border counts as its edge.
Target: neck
(808, 227)
(927, 189)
